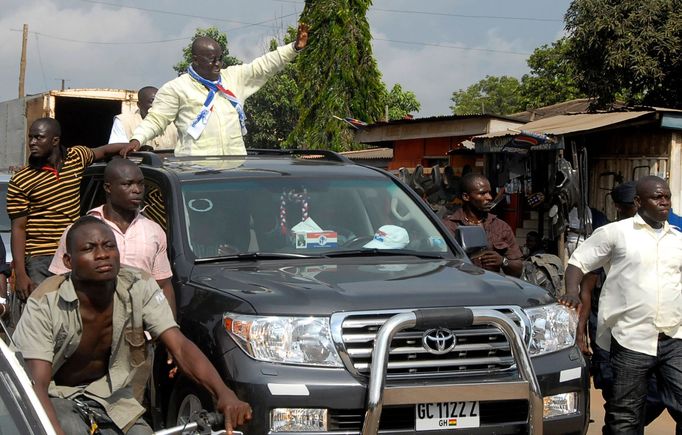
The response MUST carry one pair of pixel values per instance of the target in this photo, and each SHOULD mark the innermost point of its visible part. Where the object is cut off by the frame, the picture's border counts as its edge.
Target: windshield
(307, 217)
(4, 219)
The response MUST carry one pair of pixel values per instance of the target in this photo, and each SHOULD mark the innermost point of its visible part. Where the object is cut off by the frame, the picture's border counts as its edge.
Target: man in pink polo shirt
(141, 241)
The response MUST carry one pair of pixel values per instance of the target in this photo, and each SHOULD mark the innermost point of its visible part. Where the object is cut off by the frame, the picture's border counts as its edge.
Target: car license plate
(446, 415)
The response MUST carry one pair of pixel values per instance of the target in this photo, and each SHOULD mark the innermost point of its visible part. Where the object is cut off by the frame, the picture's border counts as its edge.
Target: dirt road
(663, 425)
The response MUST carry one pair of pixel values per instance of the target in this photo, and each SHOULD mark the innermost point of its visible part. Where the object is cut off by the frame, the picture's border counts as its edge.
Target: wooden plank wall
(629, 153)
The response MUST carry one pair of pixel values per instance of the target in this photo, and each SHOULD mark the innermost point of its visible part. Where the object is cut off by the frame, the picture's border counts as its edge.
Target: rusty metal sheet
(566, 124)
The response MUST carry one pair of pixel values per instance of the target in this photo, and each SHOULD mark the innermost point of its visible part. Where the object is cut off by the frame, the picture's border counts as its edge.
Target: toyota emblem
(439, 341)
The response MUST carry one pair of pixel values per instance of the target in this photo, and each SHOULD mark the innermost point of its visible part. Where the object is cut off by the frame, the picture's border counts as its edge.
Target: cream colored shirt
(125, 123)
(181, 100)
(642, 295)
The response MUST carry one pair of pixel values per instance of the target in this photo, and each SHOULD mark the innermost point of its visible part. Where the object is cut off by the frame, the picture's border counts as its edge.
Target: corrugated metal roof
(565, 124)
(578, 105)
(371, 153)
(440, 118)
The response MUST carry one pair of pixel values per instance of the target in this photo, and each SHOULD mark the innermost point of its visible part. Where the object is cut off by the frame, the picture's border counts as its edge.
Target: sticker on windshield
(317, 239)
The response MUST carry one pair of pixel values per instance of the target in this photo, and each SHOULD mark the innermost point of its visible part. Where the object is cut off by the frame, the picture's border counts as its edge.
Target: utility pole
(63, 83)
(22, 65)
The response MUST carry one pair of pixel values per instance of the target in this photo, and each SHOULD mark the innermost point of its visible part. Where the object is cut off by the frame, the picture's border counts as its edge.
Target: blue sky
(432, 48)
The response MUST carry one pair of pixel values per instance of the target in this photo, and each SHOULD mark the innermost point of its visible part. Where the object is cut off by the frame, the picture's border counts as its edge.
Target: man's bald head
(52, 125)
(653, 200)
(116, 167)
(146, 92)
(469, 182)
(645, 184)
(145, 98)
(207, 58)
(202, 43)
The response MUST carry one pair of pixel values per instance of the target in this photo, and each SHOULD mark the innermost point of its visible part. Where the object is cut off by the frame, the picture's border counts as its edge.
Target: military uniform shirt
(50, 329)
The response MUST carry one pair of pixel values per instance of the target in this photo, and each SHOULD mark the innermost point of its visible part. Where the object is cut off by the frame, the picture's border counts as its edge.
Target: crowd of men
(627, 278)
(94, 287)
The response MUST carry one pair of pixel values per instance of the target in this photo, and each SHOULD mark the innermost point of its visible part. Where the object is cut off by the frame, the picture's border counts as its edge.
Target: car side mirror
(472, 239)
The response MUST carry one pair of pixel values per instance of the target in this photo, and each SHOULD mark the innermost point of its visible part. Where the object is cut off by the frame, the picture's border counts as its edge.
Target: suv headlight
(553, 328)
(289, 340)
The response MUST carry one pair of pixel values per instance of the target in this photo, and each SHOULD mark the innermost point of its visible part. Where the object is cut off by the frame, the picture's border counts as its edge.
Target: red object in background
(512, 212)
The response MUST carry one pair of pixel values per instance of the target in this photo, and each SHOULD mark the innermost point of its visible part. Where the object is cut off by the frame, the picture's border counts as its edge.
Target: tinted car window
(304, 216)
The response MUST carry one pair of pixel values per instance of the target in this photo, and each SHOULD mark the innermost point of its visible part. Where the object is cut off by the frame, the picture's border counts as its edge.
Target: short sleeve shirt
(49, 197)
(50, 330)
(500, 235)
(642, 294)
(142, 246)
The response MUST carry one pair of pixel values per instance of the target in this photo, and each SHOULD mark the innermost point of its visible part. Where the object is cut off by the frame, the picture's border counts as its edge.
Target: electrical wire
(179, 14)
(160, 41)
(457, 47)
(79, 41)
(40, 61)
(446, 14)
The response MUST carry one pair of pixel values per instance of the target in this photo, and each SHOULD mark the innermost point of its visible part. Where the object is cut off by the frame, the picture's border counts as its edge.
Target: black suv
(332, 299)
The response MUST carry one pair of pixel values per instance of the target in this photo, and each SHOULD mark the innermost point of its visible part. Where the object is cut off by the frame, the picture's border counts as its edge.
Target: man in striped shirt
(43, 198)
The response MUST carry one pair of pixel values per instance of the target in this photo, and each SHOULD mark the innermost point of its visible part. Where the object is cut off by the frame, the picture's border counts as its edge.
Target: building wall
(628, 153)
(412, 152)
(676, 170)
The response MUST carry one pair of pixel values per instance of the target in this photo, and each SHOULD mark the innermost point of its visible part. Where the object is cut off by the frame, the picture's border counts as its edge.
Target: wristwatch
(505, 262)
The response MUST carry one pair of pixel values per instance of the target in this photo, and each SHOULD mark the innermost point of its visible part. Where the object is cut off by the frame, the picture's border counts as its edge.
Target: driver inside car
(82, 336)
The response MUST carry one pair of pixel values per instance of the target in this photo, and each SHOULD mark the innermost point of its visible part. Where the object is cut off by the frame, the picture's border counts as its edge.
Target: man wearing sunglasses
(206, 104)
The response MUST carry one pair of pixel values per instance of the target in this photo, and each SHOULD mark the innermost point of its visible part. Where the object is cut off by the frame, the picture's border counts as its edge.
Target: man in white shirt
(640, 307)
(206, 104)
(126, 123)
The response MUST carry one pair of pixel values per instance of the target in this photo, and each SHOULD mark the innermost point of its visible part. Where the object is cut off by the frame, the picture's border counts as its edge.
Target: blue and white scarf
(200, 122)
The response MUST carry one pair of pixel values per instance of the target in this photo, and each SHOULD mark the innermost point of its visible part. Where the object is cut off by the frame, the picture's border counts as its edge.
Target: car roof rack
(150, 158)
(326, 154)
(156, 158)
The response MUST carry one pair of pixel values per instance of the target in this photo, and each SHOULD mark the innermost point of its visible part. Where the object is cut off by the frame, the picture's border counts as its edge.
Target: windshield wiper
(381, 252)
(252, 256)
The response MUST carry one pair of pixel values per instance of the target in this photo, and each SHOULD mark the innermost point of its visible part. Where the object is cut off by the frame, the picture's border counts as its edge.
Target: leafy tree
(552, 77)
(495, 95)
(337, 75)
(271, 113)
(629, 49)
(211, 32)
(400, 103)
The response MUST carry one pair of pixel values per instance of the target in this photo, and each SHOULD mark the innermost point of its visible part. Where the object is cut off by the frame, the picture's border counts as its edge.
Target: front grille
(479, 348)
(503, 412)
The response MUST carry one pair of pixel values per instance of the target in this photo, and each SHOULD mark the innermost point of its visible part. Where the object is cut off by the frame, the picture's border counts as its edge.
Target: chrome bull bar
(379, 395)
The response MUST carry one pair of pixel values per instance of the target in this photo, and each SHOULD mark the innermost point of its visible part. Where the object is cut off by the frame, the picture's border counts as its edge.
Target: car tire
(185, 400)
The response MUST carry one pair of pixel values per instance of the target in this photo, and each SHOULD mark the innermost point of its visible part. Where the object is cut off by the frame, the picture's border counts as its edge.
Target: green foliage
(552, 77)
(337, 75)
(211, 32)
(630, 49)
(493, 95)
(400, 103)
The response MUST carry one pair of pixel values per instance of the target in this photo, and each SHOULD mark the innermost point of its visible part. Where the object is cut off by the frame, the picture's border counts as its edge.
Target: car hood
(320, 288)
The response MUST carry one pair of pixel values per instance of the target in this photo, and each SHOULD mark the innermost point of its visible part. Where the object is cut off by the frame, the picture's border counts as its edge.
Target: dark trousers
(602, 376)
(37, 268)
(631, 372)
(72, 421)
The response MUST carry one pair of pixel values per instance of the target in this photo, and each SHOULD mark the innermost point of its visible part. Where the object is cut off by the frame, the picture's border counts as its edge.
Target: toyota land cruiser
(332, 299)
